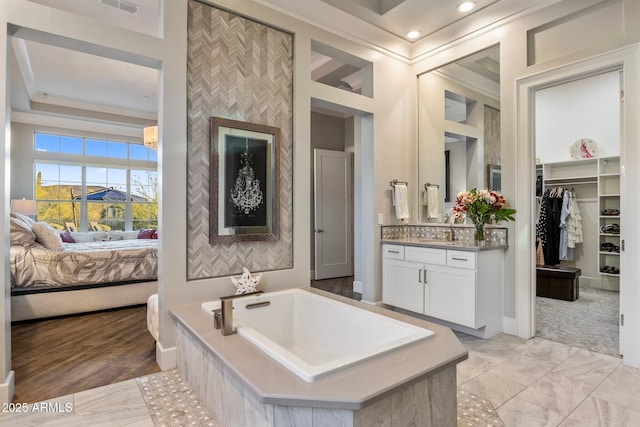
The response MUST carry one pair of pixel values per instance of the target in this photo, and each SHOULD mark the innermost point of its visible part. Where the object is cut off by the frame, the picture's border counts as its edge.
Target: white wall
(586, 108)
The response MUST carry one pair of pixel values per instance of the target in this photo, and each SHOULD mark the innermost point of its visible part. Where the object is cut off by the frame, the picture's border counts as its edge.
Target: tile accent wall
(242, 70)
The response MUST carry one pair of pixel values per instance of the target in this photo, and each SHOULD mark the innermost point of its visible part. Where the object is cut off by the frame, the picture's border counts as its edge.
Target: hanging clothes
(574, 224)
(542, 232)
(565, 253)
(559, 226)
(552, 246)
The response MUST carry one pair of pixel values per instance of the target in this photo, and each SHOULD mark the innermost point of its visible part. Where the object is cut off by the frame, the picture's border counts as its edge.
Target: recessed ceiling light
(466, 6)
(413, 34)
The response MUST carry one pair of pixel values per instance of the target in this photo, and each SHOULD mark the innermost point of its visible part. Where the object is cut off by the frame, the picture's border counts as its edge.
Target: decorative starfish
(246, 283)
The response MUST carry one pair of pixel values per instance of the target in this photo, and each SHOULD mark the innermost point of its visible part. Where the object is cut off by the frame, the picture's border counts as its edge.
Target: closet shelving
(608, 201)
(604, 175)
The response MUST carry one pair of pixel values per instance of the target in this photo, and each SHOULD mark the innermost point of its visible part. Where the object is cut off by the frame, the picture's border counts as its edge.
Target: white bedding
(113, 261)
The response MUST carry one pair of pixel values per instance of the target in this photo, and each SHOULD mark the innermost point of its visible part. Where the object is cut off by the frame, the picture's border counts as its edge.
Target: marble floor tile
(622, 387)
(502, 347)
(469, 341)
(493, 387)
(588, 366)
(521, 413)
(557, 393)
(472, 367)
(599, 413)
(120, 403)
(523, 368)
(549, 351)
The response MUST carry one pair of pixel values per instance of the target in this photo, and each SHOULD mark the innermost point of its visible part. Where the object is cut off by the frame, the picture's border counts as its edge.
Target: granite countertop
(444, 244)
(352, 388)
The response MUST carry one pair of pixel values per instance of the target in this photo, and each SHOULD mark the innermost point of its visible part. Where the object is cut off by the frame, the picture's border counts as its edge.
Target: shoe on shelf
(611, 212)
(609, 247)
(610, 229)
(610, 269)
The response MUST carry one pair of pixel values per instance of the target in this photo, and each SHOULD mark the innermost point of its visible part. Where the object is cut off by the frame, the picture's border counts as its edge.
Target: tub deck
(203, 350)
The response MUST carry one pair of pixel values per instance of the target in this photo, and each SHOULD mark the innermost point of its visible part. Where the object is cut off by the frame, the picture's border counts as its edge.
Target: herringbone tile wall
(242, 70)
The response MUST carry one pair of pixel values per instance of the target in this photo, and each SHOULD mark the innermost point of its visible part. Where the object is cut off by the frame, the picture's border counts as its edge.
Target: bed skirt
(60, 303)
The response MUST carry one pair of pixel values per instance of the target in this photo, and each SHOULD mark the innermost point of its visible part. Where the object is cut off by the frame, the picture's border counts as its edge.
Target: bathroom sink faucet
(223, 317)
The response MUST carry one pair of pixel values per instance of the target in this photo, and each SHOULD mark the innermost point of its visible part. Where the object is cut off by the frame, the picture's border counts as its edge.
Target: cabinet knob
(319, 230)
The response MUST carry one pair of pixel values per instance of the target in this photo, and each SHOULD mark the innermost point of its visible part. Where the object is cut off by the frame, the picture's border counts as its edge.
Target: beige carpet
(591, 322)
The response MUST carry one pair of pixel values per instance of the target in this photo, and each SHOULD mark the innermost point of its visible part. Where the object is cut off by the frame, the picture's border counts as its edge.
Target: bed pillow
(114, 235)
(146, 233)
(90, 236)
(47, 236)
(127, 235)
(67, 237)
(20, 233)
(24, 218)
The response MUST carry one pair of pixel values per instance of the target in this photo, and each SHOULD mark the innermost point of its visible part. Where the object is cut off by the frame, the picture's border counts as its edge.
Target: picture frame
(494, 177)
(243, 184)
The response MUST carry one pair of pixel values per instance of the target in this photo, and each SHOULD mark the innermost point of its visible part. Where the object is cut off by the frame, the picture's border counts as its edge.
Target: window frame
(85, 161)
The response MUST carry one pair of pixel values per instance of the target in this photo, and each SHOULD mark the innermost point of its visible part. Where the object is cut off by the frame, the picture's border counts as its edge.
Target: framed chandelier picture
(243, 193)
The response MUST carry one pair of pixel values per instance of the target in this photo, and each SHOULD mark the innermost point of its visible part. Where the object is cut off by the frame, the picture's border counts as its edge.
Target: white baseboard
(357, 287)
(509, 325)
(7, 388)
(166, 357)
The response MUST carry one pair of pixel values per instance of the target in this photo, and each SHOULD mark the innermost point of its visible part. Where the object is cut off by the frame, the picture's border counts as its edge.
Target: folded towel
(401, 201)
(433, 205)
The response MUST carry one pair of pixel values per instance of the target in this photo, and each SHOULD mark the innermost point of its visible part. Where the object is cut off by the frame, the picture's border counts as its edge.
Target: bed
(52, 278)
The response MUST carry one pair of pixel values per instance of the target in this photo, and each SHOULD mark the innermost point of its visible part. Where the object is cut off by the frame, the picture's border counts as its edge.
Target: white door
(333, 200)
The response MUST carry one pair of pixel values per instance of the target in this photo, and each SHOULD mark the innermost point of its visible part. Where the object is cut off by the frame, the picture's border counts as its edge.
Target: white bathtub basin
(314, 336)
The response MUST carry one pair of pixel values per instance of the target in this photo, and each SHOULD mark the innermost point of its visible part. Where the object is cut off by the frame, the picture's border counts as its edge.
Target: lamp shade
(151, 137)
(24, 206)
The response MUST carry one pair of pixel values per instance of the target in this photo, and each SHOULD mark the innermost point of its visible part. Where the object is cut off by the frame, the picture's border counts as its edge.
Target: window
(114, 185)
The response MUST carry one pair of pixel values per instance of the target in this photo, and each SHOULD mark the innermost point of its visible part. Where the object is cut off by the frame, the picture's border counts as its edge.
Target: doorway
(332, 201)
(41, 106)
(577, 146)
(525, 274)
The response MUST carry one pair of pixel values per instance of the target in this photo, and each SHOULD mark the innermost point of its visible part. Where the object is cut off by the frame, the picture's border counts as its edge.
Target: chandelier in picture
(246, 194)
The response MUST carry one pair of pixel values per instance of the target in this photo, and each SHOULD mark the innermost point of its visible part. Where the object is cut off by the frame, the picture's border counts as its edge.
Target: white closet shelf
(609, 253)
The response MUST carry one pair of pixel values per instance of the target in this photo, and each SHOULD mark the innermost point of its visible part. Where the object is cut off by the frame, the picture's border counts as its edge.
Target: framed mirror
(494, 177)
(459, 115)
(243, 184)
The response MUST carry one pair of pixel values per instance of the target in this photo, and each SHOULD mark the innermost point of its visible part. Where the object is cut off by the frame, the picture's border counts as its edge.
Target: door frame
(626, 60)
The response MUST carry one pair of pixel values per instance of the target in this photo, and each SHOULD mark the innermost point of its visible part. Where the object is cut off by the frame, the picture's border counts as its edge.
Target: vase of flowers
(482, 207)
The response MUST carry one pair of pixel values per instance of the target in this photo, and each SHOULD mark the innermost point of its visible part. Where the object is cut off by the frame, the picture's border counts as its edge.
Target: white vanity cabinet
(461, 288)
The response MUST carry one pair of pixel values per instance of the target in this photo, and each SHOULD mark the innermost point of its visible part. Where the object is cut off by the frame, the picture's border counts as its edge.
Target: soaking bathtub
(314, 336)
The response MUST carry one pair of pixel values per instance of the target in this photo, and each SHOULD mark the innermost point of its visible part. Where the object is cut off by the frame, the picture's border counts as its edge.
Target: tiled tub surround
(241, 385)
(435, 235)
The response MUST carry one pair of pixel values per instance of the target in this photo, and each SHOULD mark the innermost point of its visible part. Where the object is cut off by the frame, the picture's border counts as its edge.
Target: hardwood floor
(340, 285)
(56, 357)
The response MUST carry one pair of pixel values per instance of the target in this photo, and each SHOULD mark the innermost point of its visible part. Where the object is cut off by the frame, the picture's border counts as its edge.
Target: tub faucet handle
(217, 318)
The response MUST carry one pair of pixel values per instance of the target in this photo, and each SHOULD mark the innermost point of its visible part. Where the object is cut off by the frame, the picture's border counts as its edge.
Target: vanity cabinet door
(450, 294)
(402, 284)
